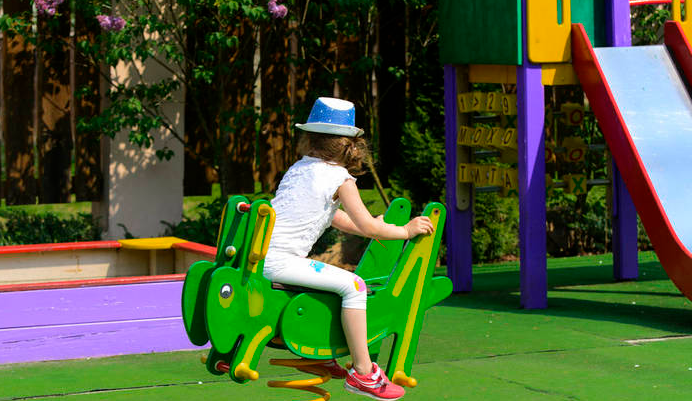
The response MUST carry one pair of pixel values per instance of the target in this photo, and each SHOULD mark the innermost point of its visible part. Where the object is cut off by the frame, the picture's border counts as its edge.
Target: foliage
(336, 47)
(496, 223)
(203, 45)
(203, 229)
(17, 227)
(420, 173)
(577, 224)
(161, 38)
(647, 24)
(208, 49)
(643, 241)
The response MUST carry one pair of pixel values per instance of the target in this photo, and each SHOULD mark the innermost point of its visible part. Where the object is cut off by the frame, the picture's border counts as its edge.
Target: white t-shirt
(304, 206)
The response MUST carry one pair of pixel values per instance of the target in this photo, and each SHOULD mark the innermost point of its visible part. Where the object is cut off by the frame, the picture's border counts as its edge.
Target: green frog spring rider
(231, 304)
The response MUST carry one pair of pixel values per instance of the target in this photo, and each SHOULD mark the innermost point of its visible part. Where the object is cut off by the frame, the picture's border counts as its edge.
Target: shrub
(18, 227)
(202, 229)
(496, 226)
(643, 241)
(422, 174)
(577, 224)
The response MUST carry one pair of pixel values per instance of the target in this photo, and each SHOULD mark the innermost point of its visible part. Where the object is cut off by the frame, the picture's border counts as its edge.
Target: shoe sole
(356, 390)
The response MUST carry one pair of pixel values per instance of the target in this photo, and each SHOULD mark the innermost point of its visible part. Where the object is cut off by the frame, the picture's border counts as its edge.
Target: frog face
(226, 307)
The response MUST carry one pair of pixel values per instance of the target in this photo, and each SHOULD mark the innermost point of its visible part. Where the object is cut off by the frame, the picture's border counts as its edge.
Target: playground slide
(641, 98)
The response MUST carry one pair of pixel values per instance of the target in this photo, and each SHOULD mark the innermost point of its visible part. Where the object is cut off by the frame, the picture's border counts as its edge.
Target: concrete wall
(140, 190)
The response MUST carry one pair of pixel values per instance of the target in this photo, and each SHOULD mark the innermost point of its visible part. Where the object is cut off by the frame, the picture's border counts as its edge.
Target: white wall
(140, 190)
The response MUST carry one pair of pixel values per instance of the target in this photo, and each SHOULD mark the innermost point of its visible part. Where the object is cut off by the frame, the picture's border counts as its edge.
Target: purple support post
(625, 257)
(531, 152)
(459, 223)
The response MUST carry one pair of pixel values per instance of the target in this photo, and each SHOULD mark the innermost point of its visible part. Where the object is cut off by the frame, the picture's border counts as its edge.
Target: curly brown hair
(346, 151)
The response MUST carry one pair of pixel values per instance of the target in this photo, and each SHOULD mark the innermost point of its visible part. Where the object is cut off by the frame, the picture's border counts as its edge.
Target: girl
(306, 203)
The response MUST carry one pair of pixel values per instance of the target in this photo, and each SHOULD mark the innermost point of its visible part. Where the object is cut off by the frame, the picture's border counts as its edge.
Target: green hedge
(17, 227)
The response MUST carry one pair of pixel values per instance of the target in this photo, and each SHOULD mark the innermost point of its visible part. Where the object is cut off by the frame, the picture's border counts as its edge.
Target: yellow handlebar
(260, 244)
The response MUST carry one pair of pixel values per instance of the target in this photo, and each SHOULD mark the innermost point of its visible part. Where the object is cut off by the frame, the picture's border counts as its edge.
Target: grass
(61, 209)
(474, 346)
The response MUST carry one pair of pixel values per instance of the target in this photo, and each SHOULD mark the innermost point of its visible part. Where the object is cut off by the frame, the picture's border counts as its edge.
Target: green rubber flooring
(477, 346)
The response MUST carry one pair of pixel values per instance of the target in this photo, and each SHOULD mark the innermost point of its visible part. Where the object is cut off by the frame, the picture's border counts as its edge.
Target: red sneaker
(374, 385)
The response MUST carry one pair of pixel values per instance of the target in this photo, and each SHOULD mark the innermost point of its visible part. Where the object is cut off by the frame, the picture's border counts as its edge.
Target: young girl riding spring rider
(306, 203)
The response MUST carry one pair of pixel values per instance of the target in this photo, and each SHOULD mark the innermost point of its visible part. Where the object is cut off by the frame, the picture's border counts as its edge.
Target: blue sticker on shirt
(318, 266)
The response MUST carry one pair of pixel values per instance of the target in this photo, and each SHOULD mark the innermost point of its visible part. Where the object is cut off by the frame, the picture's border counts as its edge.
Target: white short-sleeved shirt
(304, 206)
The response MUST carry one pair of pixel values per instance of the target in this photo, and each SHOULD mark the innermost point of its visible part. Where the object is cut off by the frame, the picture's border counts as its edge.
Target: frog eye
(226, 291)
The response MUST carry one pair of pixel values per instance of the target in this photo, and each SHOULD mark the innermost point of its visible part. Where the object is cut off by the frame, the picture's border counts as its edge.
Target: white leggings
(294, 270)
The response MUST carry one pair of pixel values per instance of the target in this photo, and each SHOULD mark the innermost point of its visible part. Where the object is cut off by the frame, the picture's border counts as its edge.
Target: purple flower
(110, 23)
(277, 11)
(47, 7)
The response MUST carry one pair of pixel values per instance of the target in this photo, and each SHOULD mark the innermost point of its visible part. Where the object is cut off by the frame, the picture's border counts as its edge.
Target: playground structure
(231, 304)
(538, 43)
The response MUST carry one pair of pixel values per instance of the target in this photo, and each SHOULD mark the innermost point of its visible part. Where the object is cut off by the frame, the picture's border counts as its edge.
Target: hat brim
(334, 129)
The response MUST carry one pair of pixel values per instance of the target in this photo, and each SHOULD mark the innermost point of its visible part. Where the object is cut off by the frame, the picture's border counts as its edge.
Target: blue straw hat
(332, 116)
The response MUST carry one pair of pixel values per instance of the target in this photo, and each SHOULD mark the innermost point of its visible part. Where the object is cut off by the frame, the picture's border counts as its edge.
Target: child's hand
(419, 225)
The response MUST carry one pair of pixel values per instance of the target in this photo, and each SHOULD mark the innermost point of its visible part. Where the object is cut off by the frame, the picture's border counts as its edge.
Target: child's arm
(357, 220)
